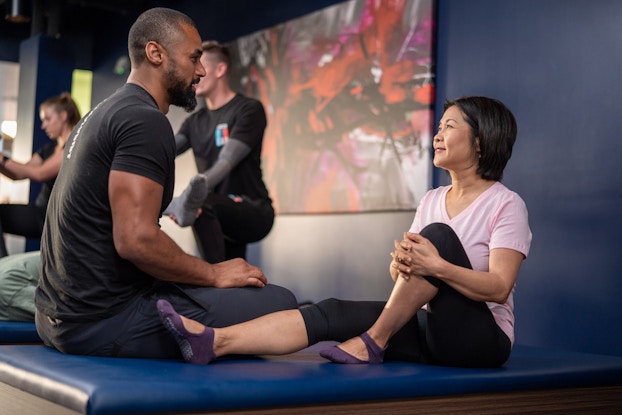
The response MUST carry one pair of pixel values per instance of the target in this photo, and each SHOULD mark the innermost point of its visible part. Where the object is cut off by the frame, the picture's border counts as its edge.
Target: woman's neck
(464, 185)
(62, 139)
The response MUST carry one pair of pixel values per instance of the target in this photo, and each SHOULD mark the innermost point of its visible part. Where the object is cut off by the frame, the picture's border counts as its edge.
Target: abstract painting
(349, 95)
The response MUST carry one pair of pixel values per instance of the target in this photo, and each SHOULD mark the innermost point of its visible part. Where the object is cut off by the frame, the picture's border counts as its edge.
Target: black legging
(22, 220)
(226, 226)
(454, 331)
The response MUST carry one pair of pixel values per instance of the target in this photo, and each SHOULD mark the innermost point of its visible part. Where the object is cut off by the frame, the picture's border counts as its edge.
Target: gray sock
(184, 207)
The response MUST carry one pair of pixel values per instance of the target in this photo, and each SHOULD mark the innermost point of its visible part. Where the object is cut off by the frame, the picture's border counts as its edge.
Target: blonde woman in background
(59, 114)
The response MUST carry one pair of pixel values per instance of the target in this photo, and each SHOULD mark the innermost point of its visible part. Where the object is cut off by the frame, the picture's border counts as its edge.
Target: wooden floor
(601, 401)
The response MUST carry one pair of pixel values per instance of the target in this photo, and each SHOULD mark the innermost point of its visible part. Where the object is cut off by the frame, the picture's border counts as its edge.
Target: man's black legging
(454, 331)
(226, 226)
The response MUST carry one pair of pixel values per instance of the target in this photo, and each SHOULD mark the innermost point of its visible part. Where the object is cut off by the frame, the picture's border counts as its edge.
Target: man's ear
(221, 69)
(153, 52)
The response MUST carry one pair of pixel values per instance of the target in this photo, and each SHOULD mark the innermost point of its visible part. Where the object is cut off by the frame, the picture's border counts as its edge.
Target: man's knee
(281, 298)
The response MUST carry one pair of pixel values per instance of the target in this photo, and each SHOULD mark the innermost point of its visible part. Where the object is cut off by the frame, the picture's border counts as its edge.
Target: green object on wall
(81, 89)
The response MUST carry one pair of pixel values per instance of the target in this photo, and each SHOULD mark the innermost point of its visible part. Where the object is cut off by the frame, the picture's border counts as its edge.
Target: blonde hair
(63, 102)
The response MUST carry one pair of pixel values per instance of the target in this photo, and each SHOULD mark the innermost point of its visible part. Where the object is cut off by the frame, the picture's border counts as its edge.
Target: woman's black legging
(23, 220)
(453, 331)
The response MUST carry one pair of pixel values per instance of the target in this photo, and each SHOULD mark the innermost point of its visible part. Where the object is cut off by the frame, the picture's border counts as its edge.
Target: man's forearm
(165, 260)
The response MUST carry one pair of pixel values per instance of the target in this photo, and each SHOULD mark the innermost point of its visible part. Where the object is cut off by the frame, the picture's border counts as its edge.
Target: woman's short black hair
(494, 125)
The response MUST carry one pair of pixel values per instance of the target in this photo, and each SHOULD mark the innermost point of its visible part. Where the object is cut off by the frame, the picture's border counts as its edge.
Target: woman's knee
(447, 242)
(315, 317)
(437, 232)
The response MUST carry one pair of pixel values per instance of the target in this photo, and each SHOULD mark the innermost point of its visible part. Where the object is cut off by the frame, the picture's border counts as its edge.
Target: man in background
(227, 203)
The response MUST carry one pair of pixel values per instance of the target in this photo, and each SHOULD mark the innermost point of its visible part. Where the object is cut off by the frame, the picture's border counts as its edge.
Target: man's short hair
(161, 25)
(219, 52)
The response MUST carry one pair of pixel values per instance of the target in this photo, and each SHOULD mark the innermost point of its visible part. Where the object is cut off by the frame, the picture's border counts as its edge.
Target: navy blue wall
(557, 65)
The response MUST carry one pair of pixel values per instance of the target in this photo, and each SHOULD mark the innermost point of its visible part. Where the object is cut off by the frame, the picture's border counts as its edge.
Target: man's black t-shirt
(83, 277)
(244, 119)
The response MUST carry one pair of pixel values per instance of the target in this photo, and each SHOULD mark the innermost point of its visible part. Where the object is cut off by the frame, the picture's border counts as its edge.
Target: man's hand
(238, 273)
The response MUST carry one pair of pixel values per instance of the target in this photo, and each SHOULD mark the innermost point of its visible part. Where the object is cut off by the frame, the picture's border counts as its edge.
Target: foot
(197, 348)
(375, 353)
(184, 207)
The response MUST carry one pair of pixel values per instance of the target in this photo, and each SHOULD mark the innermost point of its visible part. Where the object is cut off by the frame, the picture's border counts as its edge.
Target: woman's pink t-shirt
(496, 219)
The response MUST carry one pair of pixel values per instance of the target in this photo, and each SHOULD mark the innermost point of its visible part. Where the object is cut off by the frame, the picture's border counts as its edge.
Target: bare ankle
(192, 326)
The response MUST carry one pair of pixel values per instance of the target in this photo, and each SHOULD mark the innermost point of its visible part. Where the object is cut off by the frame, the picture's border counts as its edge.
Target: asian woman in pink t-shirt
(454, 270)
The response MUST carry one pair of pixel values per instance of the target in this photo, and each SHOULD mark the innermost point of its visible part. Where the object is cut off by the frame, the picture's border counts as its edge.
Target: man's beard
(179, 94)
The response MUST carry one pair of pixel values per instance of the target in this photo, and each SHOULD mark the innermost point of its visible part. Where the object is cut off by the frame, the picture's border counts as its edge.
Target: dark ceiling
(92, 23)
(63, 17)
